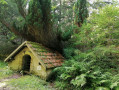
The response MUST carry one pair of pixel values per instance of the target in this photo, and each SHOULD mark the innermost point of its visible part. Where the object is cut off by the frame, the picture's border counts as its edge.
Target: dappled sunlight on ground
(2, 84)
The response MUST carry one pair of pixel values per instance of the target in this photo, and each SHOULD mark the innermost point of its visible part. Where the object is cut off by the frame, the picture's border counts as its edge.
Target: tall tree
(31, 20)
(63, 13)
(81, 12)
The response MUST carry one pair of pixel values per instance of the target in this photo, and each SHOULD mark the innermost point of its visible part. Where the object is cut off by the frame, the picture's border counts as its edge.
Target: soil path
(3, 82)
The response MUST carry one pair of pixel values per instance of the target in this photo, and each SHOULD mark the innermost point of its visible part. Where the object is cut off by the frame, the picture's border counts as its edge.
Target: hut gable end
(46, 57)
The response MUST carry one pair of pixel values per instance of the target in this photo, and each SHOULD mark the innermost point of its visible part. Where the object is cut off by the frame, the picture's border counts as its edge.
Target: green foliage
(6, 47)
(31, 20)
(4, 70)
(2, 64)
(68, 52)
(81, 12)
(29, 83)
(84, 75)
(66, 34)
(3, 2)
(79, 80)
(100, 37)
(22, 83)
(92, 51)
(102, 28)
(95, 59)
(68, 48)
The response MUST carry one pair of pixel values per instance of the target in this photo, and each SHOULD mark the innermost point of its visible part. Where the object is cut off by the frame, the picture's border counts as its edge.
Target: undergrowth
(4, 70)
(29, 83)
(93, 57)
(26, 82)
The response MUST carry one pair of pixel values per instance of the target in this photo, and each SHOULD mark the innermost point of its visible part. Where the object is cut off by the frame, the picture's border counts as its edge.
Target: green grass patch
(2, 64)
(4, 70)
(23, 83)
(29, 83)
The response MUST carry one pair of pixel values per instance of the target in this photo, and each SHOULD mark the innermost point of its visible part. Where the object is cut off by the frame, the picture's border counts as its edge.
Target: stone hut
(34, 58)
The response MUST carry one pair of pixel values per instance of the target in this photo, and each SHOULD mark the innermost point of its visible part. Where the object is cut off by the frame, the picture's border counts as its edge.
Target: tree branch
(9, 27)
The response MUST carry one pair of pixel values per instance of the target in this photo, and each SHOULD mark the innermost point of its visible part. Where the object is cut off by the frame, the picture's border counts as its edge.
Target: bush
(94, 63)
(84, 75)
(100, 38)
(6, 48)
(5, 70)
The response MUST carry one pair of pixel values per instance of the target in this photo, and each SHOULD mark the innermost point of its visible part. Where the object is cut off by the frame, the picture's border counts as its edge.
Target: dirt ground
(3, 82)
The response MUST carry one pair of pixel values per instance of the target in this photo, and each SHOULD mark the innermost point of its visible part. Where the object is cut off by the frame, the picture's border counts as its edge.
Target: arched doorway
(26, 61)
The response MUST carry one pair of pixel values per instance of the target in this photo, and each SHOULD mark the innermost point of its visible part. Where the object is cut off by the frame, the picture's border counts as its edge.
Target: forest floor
(10, 80)
(3, 82)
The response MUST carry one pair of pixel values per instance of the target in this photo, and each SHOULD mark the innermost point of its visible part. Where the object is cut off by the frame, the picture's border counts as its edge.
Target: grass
(26, 82)
(29, 83)
(4, 70)
(2, 64)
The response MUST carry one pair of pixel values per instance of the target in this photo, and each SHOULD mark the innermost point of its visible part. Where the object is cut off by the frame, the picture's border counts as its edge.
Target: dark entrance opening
(26, 63)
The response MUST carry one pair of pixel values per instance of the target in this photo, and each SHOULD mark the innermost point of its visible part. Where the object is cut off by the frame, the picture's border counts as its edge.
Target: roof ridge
(15, 51)
(36, 49)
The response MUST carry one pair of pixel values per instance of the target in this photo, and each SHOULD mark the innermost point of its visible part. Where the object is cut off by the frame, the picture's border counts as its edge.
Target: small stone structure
(34, 58)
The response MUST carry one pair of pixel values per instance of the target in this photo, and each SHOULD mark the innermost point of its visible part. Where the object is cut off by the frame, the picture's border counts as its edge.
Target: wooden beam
(15, 51)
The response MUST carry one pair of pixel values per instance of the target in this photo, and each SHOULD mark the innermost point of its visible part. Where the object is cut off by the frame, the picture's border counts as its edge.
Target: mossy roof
(47, 57)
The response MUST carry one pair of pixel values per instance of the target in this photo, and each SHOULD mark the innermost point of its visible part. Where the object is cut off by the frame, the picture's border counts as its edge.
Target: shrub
(94, 63)
(6, 48)
(84, 75)
(4, 70)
